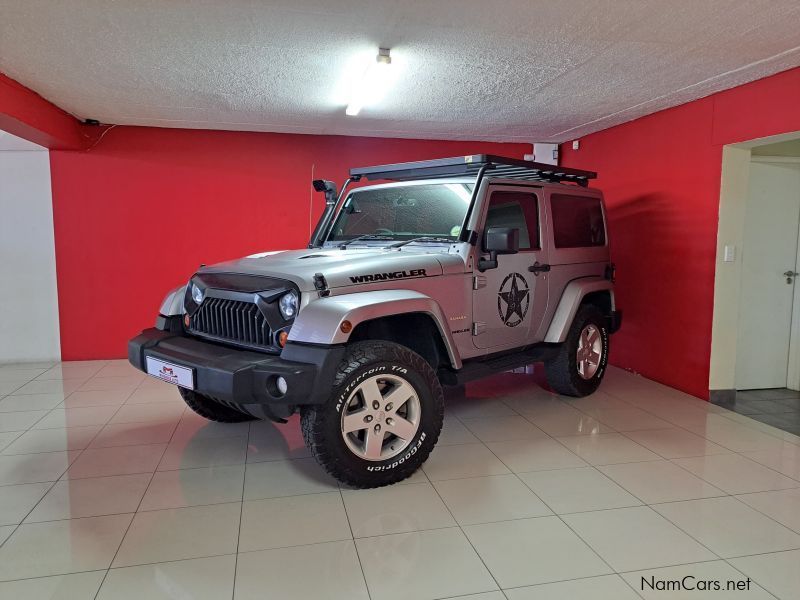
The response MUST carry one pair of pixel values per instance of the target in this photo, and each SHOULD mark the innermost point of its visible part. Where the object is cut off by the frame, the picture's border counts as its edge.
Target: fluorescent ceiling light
(372, 85)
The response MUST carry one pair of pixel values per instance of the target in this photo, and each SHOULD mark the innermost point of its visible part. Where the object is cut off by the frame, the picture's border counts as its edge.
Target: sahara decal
(385, 276)
(513, 299)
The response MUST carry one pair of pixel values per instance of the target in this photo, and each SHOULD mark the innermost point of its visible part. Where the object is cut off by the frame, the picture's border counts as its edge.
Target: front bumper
(245, 379)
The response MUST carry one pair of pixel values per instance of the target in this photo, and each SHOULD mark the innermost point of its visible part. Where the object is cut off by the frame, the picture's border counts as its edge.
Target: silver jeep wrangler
(456, 269)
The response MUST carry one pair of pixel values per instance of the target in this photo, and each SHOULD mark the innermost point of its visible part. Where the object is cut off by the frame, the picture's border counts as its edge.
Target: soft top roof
(477, 165)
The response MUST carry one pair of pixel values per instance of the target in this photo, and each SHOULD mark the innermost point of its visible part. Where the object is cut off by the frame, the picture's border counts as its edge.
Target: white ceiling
(511, 70)
(787, 148)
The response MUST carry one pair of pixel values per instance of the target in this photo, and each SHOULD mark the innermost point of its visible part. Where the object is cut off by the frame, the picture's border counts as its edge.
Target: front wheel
(581, 361)
(382, 419)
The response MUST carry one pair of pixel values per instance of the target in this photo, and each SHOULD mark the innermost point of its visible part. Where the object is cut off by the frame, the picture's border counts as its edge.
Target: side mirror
(498, 240)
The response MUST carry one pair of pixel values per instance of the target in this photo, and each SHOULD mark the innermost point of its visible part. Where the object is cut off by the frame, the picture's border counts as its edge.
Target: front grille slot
(232, 320)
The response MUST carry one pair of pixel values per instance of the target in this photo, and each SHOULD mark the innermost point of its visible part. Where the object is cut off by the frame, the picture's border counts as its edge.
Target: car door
(510, 300)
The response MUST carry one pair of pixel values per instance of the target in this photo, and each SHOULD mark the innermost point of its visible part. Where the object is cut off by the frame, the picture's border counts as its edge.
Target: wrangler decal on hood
(385, 276)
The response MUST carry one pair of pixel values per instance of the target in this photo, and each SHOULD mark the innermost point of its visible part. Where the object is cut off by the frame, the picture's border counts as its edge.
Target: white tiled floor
(110, 488)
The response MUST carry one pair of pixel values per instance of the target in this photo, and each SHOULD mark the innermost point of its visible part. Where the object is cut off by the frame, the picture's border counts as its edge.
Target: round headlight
(197, 294)
(288, 305)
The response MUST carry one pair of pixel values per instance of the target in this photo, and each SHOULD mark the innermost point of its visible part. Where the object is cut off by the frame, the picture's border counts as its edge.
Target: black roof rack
(476, 165)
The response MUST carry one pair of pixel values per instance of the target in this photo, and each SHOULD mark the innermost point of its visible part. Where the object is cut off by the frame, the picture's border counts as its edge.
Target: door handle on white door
(790, 275)
(537, 268)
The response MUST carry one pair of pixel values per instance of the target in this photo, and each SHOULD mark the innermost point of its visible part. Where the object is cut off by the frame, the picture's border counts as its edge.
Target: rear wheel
(211, 409)
(382, 419)
(581, 361)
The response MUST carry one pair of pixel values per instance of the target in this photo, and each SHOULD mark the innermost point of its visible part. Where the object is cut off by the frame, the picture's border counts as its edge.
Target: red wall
(661, 178)
(136, 214)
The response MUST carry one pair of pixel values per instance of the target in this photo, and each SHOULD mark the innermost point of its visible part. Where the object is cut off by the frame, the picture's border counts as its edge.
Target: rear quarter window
(577, 221)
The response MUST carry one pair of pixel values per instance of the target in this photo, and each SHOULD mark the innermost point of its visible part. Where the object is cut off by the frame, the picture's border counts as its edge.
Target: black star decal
(516, 301)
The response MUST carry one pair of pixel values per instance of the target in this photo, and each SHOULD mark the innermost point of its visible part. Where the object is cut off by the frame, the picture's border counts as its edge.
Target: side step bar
(478, 369)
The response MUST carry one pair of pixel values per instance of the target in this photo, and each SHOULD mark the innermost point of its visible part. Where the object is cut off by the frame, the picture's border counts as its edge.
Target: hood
(351, 266)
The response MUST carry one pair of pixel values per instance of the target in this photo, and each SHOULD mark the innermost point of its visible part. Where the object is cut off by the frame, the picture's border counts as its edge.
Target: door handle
(537, 268)
(790, 275)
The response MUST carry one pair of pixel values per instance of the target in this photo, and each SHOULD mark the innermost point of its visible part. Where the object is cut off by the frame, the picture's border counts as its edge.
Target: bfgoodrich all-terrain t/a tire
(211, 409)
(382, 418)
(578, 367)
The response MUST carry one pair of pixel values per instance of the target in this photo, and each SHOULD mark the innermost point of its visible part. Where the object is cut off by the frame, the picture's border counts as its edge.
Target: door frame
(793, 374)
(734, 192)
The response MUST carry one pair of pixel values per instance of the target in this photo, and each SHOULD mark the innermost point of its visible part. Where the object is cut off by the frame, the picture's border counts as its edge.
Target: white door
(507, 299)
(770, 249)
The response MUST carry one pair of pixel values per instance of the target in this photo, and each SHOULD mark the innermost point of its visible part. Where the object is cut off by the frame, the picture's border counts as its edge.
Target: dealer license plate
(174, 374)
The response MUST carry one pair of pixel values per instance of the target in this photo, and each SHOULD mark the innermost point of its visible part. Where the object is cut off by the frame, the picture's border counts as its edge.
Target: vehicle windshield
(403, 212)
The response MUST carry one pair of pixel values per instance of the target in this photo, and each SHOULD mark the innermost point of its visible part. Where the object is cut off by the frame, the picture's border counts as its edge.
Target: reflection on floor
(111, 488)
(777, 407)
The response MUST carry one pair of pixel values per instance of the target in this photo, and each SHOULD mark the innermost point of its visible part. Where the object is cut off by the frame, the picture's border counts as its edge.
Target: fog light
(282, 386)
(186, 321)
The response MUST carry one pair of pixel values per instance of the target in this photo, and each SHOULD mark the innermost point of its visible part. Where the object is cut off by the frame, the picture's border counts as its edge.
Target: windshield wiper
(424, 238)
(368, 236)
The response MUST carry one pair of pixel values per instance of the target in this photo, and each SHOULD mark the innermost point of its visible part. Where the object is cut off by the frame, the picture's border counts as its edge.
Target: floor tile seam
(723, 492)
(130, 523)
(510, 471)
(15, 390)
(741, 455)
(654, 511)
(241, 511)
(69, 464)
(51, 576)
(33, 425)
(584, 578)
(355, 546)
(11, 441)
(137, 511)
(686, 532)
(222, 555)
(464, 534)
(63, 450)
(759, 511)
(624, 462)
(470, 595)
(130, 393)
(743, 574)
(773, 434)
(642, 500)
(556, 515)
(723, 414)
(10, 412)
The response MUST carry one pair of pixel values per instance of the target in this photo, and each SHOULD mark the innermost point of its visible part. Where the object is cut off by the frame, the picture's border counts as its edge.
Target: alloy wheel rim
(381, 417)
(590, 351)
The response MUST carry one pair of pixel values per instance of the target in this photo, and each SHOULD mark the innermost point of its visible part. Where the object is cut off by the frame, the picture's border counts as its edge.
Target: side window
(577, 221)
(519, 210)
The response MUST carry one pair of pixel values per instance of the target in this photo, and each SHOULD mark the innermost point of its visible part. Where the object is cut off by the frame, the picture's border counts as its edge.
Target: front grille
(232, 321)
